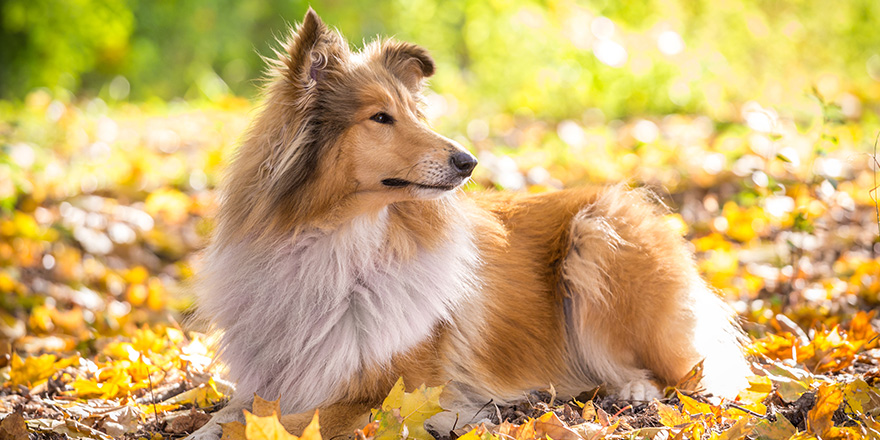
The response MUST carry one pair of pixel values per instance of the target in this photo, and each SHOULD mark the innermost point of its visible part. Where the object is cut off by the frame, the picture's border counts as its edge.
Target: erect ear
(313, 51)
(408, 62)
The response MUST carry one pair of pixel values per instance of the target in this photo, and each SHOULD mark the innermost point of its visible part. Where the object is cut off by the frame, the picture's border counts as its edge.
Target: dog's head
(352, 119)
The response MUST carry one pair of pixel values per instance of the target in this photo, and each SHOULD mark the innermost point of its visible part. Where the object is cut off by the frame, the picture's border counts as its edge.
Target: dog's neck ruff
(300, 319)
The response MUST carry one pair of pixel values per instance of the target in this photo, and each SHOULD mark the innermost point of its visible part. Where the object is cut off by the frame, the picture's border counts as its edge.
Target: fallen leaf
(791, 382)
(861, 397)
(12, 427)
(265, 428)
(479, 433)
(34, 370)
(313, 430)
(404, 414)
(233, 431)
(780, 429)
(395, 396)
(189, 422)
(526, 431)
(205, 395)
(691, 381)
(589, 412)
(549, 425)
(739, 430)
(670, 416)
(711, 414)
(69, 427)
(752, 398)
(819, 419)
(265, 408)
(118, 422)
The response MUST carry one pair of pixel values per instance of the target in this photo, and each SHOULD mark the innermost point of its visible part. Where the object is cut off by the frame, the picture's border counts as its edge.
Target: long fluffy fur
(344, 257)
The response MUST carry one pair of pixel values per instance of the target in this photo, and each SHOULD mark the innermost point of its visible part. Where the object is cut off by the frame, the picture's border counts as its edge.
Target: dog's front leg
(231, 413)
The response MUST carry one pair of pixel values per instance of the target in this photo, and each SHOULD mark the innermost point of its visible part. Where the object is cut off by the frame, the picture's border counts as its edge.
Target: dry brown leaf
(589, 411)
(233, 431)
(189, 422)
(691, 380)
(265, 408)
(13, 427)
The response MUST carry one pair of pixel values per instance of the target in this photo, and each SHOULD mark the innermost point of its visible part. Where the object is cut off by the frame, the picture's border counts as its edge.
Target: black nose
(463, 162)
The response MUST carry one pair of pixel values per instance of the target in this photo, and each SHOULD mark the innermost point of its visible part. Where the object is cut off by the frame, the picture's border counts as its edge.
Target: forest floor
(104, 212)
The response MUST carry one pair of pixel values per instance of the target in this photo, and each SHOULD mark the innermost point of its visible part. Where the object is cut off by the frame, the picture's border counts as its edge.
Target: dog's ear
(313, 51)
(408, 62)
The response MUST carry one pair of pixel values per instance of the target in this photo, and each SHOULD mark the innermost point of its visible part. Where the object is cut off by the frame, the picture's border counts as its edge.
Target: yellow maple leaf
(753, 397)
(270, 428)
(478, 433)
(419, 405)
(260, 408)
(265, 428)
(34, 370)
(395, 397)
(407, 411)
(670, 416)
(861, 397)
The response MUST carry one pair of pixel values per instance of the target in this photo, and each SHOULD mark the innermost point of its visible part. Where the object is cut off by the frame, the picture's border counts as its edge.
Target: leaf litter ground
(104, 214)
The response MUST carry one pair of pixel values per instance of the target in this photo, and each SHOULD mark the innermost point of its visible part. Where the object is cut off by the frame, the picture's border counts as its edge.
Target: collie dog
(345, 256)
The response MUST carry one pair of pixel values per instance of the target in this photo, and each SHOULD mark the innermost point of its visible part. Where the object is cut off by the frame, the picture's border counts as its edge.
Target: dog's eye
(382, 118)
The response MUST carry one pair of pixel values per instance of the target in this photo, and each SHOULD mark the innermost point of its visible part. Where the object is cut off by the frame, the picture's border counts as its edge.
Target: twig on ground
(746, 410)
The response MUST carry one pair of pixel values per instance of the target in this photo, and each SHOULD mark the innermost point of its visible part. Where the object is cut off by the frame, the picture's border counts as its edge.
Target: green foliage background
(530, 58)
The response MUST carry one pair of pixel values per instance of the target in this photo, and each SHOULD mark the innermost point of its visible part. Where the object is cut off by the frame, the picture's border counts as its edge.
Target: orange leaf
(862, 332)
(550, 426)
(819, 419)
(710, 413)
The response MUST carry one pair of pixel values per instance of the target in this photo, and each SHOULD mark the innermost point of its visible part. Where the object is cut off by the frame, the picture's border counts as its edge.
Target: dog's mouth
(400, 183)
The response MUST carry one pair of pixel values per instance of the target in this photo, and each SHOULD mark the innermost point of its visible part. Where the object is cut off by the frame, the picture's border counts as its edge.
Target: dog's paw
(211, 431)
(639, 389)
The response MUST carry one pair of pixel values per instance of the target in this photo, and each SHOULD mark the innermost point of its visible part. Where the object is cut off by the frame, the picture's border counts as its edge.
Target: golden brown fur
(570, 289)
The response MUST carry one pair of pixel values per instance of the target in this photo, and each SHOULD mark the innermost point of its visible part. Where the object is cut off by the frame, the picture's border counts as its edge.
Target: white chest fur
(300, 319)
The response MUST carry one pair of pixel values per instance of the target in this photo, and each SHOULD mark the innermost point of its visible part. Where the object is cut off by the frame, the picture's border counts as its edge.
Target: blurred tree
(549, 59)
(54, 43)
